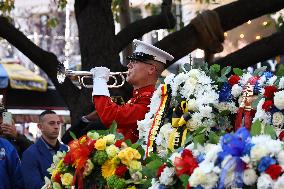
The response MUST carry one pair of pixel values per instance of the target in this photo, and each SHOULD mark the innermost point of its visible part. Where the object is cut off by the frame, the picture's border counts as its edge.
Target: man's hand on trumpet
(100, 79)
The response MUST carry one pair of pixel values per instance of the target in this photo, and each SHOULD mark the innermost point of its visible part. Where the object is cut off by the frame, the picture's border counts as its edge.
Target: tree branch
(253, 53)
(231, 15)
(165, 20)
(47, 61)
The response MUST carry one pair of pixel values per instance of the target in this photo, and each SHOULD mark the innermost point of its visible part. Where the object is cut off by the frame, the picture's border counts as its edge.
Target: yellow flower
(128, 154)
(111, 151)
(100, 144)
(131, 187)
(110, 138)
(67, 179)
(108, 168)
(135, 165)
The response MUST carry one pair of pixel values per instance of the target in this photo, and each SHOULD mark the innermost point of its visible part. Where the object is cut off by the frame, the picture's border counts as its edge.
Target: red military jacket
(127, 115)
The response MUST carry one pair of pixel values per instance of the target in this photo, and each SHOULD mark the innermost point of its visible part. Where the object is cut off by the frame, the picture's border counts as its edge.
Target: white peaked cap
(158, 54)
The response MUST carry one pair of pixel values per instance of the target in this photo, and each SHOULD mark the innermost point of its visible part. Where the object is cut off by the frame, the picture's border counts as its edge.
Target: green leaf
(213, 138)
(113, 127)
(128, 142)
(255, 102)
(259, 71)
(280, 70)
(215, 68)
(188, 138)
(73, 135)
(225, 112)
(199, 139)
(238, 71)
(184, 179)
(255, 128)
(225, 70)
(151, 168)
(269, 130)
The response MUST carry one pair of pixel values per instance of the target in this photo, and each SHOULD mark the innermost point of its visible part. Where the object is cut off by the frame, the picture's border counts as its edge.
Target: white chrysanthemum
(167, 176)
(279, 100)
(211, 151)
(272, 80)
(280, 157)
(195, 73)
(198, 177)
(206, 111)
(191, 104)
(264, 182)
(257, 152)
(245, 77)
(281, 83)
(236, 90)
(222, 106)
(178, 80)
(279, 184)
(204, 79)
(273, 147)
(195, 121)
(169, 79)
(249, 177)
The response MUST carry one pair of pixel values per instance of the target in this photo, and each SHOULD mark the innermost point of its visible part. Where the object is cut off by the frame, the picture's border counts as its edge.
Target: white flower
(249, 177)
(236, 90)
(110, 138)
(260, 114)
(279, 100)
(245, 77)
(279, 184)
(93, 135)
(195, 73)
(272, 80)
(206, 111)
(280, 157)
(281, 83)
(169, 79)
(167, 176)
(191, 104)
(277, 119)
(198, 177)
(257, 152)
(264, 182)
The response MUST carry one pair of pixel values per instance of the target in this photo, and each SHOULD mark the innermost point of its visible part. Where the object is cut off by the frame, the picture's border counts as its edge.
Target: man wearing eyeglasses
(146, 64)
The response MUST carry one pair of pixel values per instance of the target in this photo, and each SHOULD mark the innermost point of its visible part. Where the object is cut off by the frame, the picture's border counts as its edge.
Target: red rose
(281, 135)
(267, 105)
(67, 159)
(234, 79)
(160, 170)
(274, 171)
(121, 170)
(269, 91)
(118, 143)
(185, 165)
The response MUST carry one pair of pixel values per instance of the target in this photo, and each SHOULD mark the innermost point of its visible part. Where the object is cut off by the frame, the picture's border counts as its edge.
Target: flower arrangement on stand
(96, 161)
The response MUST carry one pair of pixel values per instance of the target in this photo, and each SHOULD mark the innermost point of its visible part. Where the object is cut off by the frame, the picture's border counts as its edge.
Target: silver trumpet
(83, 75)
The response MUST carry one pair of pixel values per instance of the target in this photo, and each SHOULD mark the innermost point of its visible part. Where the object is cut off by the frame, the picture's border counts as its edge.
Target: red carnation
(274, 171)
(266, 105)
(281, 135)
(118, 143)
(185, 165)
(269, 91)
(186, 153)
(121, 170)
(234, 79)
(160, 170)
(67, 159)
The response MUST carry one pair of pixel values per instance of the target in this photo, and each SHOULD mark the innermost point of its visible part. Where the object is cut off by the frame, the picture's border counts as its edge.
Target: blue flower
(200, 158)
(225, 93)
(265, 162)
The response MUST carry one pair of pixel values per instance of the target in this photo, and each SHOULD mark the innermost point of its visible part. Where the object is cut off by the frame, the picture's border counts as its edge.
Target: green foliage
(213, 138)
(184, 179)
(255, 128)
(280, 70)
(62, 4)
(238, 71)
(73, 135)
(52, 22)
(259, 71)
(269, 130)
(150, 170)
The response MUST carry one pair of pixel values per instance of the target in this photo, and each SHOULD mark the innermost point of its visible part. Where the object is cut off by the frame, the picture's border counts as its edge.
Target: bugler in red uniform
(126, 115)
